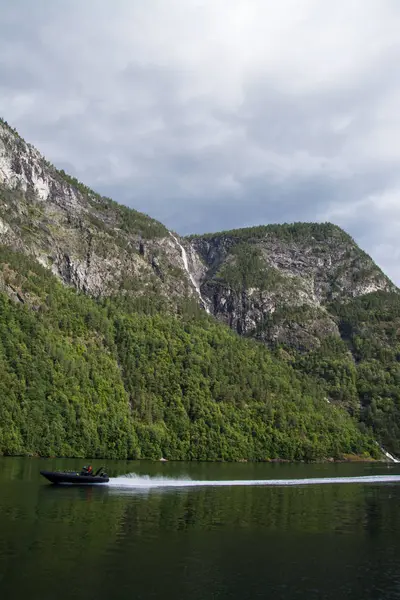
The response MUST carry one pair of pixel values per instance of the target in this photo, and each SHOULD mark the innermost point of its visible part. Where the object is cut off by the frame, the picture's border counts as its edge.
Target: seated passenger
(87, 470)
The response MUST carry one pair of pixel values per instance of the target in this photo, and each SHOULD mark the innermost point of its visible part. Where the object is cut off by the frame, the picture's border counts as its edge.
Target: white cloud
(217, 113)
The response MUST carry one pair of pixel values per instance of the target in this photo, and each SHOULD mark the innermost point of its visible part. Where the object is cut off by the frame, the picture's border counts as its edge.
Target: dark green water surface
(309, 542)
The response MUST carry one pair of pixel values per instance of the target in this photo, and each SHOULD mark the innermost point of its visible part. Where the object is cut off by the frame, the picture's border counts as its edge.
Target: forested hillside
(309, 293)
(118, 338)
(100, 378)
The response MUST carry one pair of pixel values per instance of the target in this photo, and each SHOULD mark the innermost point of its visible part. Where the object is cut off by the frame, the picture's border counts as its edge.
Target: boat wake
(140, 482)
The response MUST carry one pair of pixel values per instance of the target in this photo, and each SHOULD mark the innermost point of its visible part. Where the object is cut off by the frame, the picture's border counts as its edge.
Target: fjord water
(159, 535)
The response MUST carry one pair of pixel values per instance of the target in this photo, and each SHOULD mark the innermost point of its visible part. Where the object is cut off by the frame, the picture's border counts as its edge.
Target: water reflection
(339, 541)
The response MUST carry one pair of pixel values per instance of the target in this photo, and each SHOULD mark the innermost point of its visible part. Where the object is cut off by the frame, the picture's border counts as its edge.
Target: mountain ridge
(305, 291)
(74, 231)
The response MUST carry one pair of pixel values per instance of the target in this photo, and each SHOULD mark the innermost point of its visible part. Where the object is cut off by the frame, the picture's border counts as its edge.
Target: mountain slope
(319, 302)
(88, 241)
(81, 377)
(182, 383)
(274, 282)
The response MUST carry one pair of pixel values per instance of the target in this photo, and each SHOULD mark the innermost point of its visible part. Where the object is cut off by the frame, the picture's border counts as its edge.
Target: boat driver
(87, 470)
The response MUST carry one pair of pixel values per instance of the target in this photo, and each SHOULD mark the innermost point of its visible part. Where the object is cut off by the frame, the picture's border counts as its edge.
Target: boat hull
(73, 478)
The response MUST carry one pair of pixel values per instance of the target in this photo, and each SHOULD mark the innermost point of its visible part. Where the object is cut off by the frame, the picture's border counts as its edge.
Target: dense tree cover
(370, 326)
(361, 369)
(203, 393)
(101, 378)
(247, 268)
(286, 231)
(333, 366)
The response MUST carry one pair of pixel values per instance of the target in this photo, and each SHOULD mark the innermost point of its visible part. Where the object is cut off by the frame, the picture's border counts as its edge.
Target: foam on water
(133, 481)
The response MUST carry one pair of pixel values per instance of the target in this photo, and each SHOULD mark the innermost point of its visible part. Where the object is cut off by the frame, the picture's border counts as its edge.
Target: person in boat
(87, 470)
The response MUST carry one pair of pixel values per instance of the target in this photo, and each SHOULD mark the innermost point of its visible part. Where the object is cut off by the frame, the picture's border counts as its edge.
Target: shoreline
(346, 458)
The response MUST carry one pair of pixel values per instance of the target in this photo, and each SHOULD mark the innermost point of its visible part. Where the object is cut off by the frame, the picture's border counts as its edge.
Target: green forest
(136, 369)
(119, 379)
(361, 370)
(286, 231)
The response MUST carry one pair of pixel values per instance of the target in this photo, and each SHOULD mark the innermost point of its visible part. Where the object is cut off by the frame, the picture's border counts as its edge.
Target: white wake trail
(138, 482)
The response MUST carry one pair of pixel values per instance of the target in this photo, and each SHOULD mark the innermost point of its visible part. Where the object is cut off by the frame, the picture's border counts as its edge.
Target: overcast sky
(213, 114)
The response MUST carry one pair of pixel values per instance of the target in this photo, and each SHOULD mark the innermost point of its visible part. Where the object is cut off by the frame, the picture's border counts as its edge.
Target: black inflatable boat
(85, 477)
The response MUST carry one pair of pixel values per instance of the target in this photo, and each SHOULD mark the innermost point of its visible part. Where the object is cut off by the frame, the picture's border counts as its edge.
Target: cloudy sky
(213, 114)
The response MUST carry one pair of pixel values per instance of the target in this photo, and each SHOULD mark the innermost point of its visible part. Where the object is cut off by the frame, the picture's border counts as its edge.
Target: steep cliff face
(313, 296)
(275, 282)
(88, 241)
(307, 291)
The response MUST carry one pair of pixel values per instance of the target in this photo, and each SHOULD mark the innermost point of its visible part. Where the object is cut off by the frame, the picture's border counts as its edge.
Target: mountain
(107, 347)
(88, 241)
(275, 282)
(85, 377)
(314, 297)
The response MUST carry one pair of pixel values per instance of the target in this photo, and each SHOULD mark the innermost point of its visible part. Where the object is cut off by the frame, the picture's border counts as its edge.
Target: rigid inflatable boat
(85, 477)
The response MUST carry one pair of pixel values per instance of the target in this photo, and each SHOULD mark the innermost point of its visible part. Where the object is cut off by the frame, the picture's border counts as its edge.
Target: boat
(85, 477)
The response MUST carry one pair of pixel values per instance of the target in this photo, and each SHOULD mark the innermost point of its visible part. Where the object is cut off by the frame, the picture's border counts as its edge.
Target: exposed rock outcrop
(274, 283)
(88, 241)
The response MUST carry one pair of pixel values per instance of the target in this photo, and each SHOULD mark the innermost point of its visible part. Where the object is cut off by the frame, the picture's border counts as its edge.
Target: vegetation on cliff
(81, 377)
(134, 367)
(360, 370)
(286, 231)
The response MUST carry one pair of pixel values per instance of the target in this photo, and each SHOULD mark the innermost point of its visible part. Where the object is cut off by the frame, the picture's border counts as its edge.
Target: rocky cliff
(88, 241)
(319, 302)
(273, 283)
(307, 291)
(276, 282)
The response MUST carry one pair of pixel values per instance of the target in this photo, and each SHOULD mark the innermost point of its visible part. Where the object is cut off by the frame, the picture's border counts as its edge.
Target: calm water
(317, 541)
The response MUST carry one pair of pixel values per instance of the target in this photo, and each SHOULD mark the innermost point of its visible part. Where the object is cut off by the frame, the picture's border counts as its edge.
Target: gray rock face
(288, 275)
(88, 241)
(273, 283)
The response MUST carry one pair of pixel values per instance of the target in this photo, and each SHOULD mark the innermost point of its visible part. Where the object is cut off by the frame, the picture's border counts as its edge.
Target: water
(201, 531)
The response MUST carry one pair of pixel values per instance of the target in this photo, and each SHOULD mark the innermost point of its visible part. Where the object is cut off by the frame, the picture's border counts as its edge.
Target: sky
(216, 114)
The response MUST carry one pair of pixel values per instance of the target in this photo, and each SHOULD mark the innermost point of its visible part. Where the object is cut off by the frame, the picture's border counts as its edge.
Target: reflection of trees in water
(373, 516)
(57, 533)
(178, 543)
(303, 509)
(290, 542)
